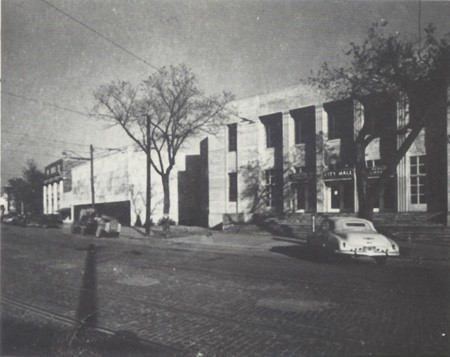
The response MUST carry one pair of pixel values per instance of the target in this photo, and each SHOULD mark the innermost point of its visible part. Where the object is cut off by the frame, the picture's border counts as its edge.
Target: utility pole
(149, 181)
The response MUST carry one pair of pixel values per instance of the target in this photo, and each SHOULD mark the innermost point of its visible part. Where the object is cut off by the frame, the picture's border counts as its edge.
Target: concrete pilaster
(288, 141)
(61, 194)
(44, 199)
(50, 199)
(55, 197)
(321, 137)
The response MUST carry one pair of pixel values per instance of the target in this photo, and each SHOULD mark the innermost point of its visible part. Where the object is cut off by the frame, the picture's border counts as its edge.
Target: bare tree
(160, 115)
(380, 68)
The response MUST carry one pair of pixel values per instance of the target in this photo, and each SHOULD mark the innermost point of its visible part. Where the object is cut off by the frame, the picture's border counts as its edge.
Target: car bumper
(369, 253)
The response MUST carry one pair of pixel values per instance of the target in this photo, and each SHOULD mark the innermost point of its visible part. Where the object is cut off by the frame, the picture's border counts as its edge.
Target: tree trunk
(365, 209)
(149, 197)
(166, 207)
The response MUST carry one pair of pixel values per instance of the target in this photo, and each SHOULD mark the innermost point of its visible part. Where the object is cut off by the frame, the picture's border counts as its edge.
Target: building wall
(193, 189)
(121, 177)
(252, 157)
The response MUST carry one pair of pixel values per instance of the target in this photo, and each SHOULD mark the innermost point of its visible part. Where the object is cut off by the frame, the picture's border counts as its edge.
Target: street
(160, 300)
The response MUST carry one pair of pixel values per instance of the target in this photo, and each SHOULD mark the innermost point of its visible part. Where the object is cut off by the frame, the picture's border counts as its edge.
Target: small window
(232, 137)
(232, 187)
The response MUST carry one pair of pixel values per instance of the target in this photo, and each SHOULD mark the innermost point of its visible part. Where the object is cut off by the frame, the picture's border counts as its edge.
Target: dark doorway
(119, 210)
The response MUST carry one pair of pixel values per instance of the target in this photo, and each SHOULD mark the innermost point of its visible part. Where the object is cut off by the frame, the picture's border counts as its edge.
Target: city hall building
(288, 152)
(294, 152)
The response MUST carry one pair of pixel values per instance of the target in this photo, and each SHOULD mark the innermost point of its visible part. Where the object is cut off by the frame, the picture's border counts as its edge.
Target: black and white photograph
(225, 178)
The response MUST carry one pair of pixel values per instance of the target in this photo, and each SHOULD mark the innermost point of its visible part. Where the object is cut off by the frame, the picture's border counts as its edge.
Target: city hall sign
(338, 174)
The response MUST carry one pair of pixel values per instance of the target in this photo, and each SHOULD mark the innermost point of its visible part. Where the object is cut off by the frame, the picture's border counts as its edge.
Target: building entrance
(305, 197)
(341, 196)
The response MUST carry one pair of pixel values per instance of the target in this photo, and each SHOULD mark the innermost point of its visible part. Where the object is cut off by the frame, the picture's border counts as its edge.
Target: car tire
(381, 260)
(83, 231)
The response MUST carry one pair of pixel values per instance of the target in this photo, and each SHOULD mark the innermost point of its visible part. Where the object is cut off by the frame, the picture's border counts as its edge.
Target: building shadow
(87, 338)
(299, 251)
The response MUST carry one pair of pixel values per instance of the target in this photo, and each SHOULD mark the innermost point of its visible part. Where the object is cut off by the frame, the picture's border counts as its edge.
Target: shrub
(164, 221)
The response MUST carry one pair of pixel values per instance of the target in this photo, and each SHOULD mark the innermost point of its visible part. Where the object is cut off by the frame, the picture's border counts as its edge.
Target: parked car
(92, 222)
(351, 237)
(42, 221)
(11, 218)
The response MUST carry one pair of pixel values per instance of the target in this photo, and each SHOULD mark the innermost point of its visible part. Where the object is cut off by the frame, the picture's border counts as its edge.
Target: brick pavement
(420, 253)
(202, 301)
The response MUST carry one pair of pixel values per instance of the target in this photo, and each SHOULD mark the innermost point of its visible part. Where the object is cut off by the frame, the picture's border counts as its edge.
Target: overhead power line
(46, 103)
(132, 54)
(51, 140)
(28, 152)
(101, 35)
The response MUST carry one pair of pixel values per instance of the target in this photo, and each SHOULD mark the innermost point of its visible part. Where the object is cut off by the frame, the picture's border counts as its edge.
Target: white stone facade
(252, 149)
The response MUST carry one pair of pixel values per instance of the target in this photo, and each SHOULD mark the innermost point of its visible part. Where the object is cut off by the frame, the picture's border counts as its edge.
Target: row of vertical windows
(417, 183)
(418, 179)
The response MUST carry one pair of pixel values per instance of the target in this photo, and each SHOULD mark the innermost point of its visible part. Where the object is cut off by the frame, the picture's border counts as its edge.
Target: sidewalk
(203, 239)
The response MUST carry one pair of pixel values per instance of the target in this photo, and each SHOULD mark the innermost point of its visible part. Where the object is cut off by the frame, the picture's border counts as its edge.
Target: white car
(353, 237)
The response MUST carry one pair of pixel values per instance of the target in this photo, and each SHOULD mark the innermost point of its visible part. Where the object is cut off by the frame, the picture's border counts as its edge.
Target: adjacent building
(120, 187)
(57, 189)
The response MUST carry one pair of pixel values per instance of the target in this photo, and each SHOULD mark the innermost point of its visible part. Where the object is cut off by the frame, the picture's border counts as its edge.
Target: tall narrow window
(298, 131)
(340, 122)
(270, 134)
(270, 187)
(335, 125)
(418, 178)
(232, 187)
(304, 129)
(232, 137)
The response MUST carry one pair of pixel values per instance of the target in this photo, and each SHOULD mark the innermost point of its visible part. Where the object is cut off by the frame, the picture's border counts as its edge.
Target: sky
(51, 64)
